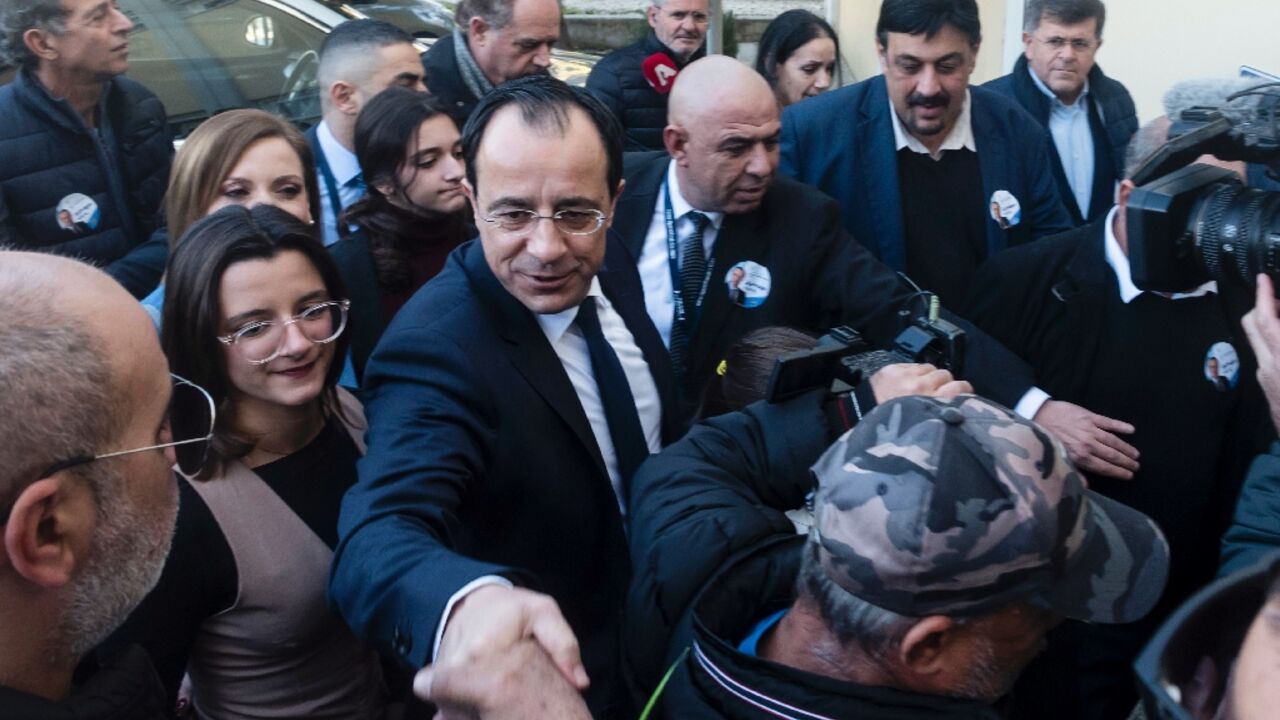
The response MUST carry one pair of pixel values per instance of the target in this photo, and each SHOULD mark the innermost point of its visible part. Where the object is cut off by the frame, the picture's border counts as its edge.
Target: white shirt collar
(679, 205)
(1119, 263)
(342, 162)
(555, 325)
(1053, 98)
(960, 137)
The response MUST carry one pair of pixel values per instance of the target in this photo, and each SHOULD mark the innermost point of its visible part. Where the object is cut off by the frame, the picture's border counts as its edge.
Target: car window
(205, 56)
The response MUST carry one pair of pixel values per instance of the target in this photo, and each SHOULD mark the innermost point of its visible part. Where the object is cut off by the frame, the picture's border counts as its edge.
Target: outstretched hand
(1092, 440)
(1263, 329)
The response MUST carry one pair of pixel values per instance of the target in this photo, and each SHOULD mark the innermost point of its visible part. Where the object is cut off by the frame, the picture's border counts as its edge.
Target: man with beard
(917, 158)
(635, 81)
(87, 498)
(494, 41)
(946, 537)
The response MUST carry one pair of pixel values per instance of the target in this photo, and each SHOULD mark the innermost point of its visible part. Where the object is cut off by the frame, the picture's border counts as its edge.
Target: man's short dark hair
(365, 33)
(544, 102)
(1064, 12)
(19, 16)
(496, 13)
(929, 17)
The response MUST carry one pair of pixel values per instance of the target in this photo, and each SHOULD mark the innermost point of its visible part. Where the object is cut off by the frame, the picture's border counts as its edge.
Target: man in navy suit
(916, 157)
(498, 454)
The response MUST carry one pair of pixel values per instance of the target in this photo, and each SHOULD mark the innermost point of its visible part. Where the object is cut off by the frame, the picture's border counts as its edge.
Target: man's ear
(1123, 191)
(342, 95)
(652, 15)
(926, 648)
(37, 41)
(1027, 39)
(613, 205)
(470, 192)
(477, 29)
(48, 530)
(675, 139)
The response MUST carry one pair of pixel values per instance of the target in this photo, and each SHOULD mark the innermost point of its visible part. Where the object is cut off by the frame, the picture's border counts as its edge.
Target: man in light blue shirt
(1090, 117)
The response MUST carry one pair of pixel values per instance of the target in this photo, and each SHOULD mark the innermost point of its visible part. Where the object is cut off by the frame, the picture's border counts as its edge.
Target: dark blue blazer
(482, 462)
(842, 143)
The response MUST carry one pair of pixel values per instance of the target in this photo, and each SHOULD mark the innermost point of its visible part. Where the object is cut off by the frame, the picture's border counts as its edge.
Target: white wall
(1148, 44)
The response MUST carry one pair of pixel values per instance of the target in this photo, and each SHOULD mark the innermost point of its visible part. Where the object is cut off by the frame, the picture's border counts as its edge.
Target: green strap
(653, 699)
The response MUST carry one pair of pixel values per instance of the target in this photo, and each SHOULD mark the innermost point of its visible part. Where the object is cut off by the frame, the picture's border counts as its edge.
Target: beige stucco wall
(1149, 44)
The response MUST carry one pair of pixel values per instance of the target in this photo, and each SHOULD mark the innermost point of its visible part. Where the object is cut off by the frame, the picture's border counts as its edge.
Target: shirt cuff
(457, 597)
(1031, 402)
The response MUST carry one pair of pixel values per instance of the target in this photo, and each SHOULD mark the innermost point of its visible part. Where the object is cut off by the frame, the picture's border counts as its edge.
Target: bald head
(722, 131)
(717, 85)
(76, 345)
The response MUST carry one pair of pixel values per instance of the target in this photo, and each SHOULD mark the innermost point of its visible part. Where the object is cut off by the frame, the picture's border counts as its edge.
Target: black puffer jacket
(444, 81)
(741, 472)
(618, 81)
(47, 156)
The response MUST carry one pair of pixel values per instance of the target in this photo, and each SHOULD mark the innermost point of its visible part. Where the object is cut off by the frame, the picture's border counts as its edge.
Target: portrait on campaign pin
(1005, 209)
(78, 213)
(1222, 366)
(748, 284)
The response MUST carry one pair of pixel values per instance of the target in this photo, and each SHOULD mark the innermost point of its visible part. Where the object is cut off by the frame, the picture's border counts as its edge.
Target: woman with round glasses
(255, 314)
(412, 216)
(239, 157)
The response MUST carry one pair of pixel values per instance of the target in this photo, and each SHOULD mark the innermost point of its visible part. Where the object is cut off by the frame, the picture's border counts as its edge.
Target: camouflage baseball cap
(959, 507)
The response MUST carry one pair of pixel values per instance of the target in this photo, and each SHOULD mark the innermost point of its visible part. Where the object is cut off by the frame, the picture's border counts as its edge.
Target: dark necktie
(693, 268)
(629, 445)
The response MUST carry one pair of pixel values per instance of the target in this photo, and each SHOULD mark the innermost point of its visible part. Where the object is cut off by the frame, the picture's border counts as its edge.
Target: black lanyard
(673, 259)
(330, 184)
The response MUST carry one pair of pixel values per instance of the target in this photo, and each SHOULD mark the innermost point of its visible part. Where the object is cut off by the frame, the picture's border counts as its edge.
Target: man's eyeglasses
(1080, 45)
(262, 341)
(190, 417)
(571, 222)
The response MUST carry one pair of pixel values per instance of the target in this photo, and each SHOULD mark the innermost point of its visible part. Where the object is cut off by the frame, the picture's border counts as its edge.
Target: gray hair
(56, 385)
(1149, 138)
(19, 16)
(850, 618)
(1066, 12)
(496, 13)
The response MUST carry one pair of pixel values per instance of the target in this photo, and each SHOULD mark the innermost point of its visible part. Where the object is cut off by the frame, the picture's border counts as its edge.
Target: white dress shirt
(345, 168)
(655, 270)
(960, 137)
(571, 347)
(1069, 126)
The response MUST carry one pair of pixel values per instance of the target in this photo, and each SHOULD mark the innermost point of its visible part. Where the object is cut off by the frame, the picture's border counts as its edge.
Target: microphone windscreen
(660, 72)
(1212, 93)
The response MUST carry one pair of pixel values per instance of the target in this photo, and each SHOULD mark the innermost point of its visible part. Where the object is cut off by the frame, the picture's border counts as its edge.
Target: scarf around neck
(472, 76)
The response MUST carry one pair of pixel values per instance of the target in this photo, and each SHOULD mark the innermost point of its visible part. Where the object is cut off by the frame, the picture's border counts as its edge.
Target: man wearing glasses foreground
(1090, 116)
(509, 403)
(87, 497)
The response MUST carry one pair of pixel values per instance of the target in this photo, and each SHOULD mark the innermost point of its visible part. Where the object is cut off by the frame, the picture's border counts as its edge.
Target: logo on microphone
(660, 72)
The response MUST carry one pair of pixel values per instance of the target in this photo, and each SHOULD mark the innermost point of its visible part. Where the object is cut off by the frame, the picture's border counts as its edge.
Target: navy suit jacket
(482, 462)
(842, 143)
(821, 278)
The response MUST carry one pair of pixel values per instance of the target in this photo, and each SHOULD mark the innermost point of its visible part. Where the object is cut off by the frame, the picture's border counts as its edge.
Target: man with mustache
(1090, 116)
(493, 41)
(638, 96)
(79, 141)
(916, 157)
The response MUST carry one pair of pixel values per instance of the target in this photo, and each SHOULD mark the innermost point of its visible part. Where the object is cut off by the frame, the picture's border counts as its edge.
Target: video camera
(843, 357)
(1190, 223)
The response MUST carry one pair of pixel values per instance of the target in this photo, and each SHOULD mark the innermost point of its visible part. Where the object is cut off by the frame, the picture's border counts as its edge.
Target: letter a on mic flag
(660, 72)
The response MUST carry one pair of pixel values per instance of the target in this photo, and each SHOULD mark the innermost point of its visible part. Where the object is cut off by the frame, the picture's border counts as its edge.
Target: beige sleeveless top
(279, 651)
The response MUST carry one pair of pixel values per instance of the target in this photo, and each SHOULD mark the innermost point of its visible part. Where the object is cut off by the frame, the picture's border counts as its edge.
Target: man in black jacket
(87, 496)
(1142, 361)
(634, 87)
(494, 41)
(1090, 116)
(84, 151)
(904, 602)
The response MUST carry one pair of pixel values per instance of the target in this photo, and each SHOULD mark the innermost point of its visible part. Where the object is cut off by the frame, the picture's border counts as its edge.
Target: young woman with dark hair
(412, 216)
(799, 55)
(256, 310)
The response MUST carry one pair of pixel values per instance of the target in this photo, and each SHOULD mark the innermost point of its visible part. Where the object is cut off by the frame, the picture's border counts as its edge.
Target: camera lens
(1237, 232)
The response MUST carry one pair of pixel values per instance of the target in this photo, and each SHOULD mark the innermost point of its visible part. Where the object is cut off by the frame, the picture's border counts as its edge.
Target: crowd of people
(459, 403)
